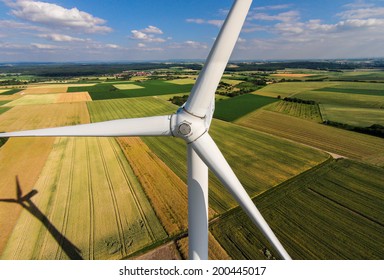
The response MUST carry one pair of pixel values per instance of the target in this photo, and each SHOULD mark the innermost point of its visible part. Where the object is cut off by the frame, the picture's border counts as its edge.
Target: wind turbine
(191, 122)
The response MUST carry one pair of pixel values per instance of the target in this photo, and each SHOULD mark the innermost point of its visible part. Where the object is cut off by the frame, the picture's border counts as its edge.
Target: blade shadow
(25, 201)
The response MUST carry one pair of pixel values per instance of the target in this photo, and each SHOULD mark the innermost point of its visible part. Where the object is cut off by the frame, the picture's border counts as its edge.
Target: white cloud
(152, 29)
(215, 22)
(195, 20)
(188, 44)
(148, 35)
(54, 15)
(365, 13)
(61, 38)
(284, 16)
(272, 7)
(45, 46)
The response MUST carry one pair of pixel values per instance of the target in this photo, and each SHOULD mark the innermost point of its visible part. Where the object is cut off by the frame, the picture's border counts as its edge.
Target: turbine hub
(184, 129)
(187, 126)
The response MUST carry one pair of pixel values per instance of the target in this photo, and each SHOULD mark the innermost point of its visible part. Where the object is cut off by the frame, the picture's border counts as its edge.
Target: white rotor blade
(151, 126)
(209, 78)
(207, 150)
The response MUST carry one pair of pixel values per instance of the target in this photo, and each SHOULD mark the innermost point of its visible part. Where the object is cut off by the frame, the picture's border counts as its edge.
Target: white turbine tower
(191, 122)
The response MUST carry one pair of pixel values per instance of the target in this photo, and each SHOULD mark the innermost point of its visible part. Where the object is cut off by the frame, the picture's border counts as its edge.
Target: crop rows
(90, 206)
(128, 108)
(300, 110)
(260, 162)
(342, 142)
(331, 212)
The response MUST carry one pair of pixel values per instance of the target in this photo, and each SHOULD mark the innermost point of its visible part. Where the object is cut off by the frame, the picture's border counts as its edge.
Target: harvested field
(127, 86)
(187, 81)
(88, 206)
(40, 116)
(73, 97)
(23, 158)
(34, 100)
(26, 157)
(317, 215)
(346, 143)
(46, 89)
(167, 193)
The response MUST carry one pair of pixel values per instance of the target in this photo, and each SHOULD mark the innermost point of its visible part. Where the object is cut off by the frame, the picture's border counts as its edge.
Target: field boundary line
(231, 211)
(91, 238)
(119, 223)
(133, 192)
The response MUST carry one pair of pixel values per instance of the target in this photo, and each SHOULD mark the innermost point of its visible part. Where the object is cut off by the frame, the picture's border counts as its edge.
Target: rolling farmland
(259, 163)
(117, 198)
(345, 143)
(317, 215)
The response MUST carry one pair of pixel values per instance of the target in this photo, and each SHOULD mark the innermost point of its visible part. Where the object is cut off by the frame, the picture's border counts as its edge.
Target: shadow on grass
(25, 201)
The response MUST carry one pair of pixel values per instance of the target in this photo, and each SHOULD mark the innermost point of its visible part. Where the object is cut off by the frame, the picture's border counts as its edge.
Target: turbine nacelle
(187, 126)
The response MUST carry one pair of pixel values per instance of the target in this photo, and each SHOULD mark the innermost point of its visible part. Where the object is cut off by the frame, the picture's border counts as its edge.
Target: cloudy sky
(126, 30)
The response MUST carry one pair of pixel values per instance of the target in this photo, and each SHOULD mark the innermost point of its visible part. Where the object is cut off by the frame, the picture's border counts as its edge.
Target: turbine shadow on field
(25, 201)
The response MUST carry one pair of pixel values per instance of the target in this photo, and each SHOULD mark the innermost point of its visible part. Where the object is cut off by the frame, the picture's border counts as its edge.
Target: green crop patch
(363, 91)
(11, 91)
(234, 108)
(333, 211)
(136, 89)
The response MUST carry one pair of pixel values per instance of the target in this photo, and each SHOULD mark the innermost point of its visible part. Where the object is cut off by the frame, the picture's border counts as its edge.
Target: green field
(338, 141)
(103, 110)
(355, 90)
(236, 107)
(4, 109)
(300, 110)
(260, 162)
(11, 91)
(331, 212)
(363, 117)
(148, 88)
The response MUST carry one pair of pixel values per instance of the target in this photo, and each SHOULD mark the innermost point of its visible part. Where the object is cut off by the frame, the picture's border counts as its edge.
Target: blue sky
(126, 30)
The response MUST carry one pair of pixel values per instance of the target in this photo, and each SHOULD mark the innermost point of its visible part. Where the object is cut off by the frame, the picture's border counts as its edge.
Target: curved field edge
(345, 143)
(317, 215)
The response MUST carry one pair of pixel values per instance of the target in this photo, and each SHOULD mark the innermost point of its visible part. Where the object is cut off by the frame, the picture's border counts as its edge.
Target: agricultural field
(259, 162)
(341, 142)
(24, 158)
(303, 111)
(318, 215)
(103, 110)
(148, 88)
(236, 107)
(293, 160)
(185, 81)
(356, 116)
(124, 198)
(40, 116)
(86, 187)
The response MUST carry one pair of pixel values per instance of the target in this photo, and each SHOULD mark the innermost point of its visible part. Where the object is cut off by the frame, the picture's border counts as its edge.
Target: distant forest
(56, 70)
